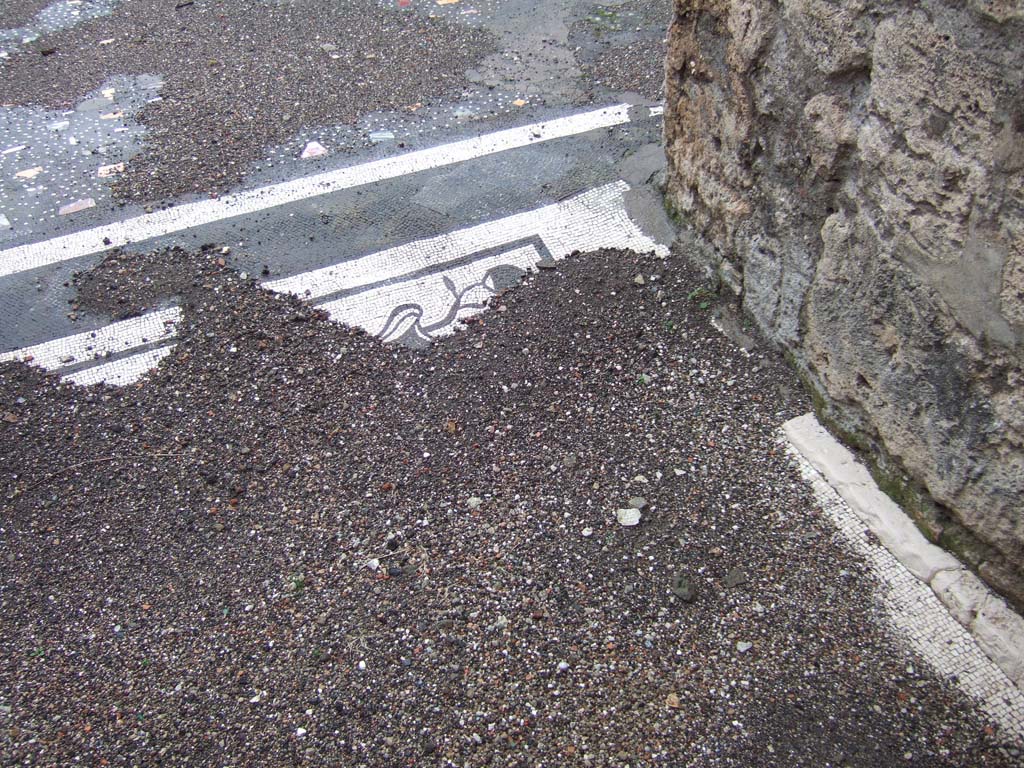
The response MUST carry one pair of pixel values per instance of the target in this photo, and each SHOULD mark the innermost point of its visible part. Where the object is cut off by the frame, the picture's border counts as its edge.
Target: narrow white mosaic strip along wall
(164, 222)
(917, 617)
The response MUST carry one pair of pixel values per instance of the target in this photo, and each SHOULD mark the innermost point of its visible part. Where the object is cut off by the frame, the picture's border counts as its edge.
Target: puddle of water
(60, 15)
(54, 160)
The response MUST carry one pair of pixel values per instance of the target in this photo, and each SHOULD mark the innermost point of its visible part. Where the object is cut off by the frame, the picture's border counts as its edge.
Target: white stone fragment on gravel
(474, 502)
(880, 513)
(313, 149)
(78, 205)
(105, 171)
(628, 517)
(4, 222)
(743, 646)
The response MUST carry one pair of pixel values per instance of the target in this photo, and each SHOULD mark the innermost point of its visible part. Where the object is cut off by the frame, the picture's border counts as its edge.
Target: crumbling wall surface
(856, 171)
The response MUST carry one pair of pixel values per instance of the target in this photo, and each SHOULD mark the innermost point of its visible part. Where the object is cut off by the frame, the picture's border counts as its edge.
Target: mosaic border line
(913, 611)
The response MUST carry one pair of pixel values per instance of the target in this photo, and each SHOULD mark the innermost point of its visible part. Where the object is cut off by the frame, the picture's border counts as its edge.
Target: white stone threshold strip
(413, 292)
(965, 632)
(159, 223)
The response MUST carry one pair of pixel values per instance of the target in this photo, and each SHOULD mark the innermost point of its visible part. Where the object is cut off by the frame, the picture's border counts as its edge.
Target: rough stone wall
(855, 170)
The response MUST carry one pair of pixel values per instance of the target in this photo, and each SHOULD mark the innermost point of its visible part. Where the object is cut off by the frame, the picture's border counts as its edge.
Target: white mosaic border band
(422, 288)
(967, 634)
(94, 348)
(120, 373)
(164, 222)
(95, 345)
(593, 219)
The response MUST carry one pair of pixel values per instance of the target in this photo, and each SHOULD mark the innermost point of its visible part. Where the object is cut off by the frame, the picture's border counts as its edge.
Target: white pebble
(628, 517)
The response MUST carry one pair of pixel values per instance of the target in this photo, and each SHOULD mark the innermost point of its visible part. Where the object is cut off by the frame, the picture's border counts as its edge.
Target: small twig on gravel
(100, 460)
(358, 642)
(403, 551)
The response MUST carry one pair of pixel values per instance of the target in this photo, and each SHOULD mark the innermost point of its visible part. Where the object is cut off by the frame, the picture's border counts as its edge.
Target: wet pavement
(198, 200)
(90, 166)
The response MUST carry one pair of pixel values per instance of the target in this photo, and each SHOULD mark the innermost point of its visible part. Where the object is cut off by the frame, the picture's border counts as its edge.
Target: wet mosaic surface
(384, 133)
(51, 160)
(69, 161)
(484, 197)
(63, 14)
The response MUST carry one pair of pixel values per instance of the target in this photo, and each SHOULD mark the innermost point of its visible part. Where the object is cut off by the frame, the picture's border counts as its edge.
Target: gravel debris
(622, 47)
(187, 562)
(637, 66)
(243, 76)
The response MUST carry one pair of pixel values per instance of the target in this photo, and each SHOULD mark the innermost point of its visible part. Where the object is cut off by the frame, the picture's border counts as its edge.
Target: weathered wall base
(855, 172)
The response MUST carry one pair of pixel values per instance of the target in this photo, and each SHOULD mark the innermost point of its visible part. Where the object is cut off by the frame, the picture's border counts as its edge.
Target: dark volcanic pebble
(242, 76)
(266, 554)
